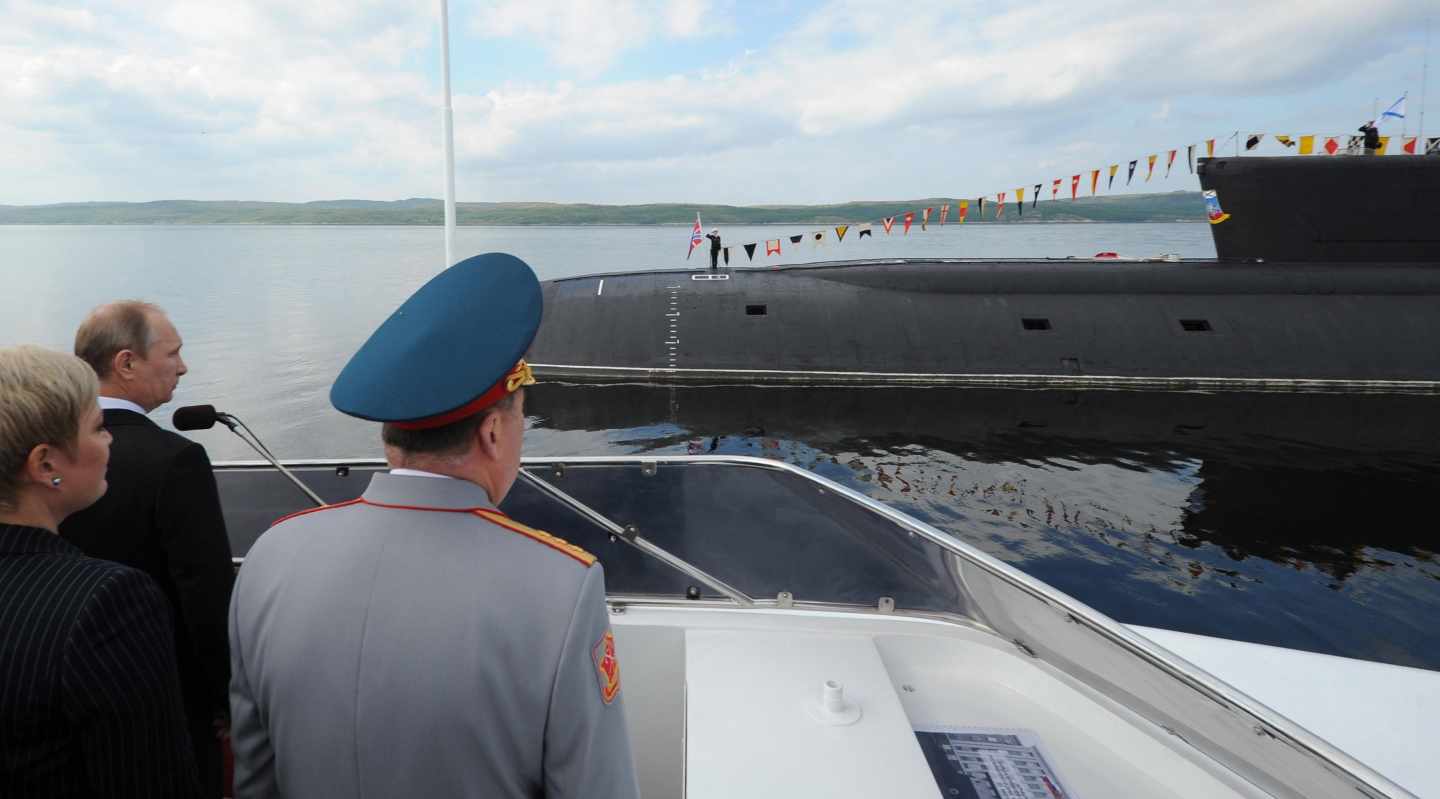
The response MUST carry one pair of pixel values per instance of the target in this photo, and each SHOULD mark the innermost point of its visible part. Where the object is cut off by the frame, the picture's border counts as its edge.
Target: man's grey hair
(112, 328)
(46, 394)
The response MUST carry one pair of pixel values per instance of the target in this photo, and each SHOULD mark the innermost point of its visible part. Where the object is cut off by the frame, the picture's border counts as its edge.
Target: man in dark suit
(162, 511)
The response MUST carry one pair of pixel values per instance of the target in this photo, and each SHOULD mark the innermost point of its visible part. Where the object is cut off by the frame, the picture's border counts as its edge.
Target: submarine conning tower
(1344, 208)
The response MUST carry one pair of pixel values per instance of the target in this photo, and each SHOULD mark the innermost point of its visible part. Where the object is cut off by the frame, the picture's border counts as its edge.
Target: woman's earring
(55, 481)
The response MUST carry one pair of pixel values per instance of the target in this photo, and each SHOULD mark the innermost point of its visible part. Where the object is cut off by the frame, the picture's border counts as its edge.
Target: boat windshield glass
(760, 527)
(764, 530)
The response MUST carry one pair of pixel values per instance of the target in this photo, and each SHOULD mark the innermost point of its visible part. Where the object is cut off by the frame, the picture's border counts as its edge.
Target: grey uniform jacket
(417, 642)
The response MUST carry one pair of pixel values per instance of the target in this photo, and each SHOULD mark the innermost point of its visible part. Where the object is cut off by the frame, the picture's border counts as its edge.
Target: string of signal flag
(1303, 145)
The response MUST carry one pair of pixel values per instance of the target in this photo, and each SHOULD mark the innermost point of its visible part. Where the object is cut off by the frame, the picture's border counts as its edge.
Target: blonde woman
(89, 696)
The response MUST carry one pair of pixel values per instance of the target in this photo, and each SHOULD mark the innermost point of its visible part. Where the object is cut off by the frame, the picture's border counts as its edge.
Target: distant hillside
(1172, 207)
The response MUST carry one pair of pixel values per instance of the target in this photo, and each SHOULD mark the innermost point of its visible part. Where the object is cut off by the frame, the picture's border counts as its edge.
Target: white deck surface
(1387, 717)
(750, 733)
(749, 677)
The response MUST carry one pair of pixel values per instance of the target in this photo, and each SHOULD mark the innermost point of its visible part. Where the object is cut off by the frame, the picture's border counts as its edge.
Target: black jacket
(89, 696)
(161, 514)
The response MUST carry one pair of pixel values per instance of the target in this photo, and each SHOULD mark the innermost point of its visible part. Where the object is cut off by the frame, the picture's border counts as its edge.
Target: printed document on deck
(989, 763)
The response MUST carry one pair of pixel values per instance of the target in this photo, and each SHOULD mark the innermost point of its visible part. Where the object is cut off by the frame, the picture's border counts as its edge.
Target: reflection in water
(1297, 520)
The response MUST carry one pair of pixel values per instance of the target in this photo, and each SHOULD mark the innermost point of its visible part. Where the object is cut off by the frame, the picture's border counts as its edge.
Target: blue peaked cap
(457, 338)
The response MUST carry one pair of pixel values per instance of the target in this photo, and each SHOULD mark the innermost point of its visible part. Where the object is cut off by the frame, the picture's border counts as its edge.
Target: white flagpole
(1424, 73)
(447, 117)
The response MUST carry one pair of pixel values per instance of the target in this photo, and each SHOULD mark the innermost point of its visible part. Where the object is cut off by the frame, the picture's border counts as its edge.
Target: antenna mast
(1424, 73)
(447, 118)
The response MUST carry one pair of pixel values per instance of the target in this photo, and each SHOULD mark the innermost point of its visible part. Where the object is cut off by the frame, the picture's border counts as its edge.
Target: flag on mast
(1396, 109)
(697, 235)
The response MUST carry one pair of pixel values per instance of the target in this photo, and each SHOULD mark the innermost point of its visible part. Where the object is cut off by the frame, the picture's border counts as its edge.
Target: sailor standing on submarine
(417, 641)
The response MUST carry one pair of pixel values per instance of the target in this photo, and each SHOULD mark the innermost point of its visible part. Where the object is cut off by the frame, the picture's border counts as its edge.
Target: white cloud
(924, 68)
(588, 35)
(198, 94)
(272, 99)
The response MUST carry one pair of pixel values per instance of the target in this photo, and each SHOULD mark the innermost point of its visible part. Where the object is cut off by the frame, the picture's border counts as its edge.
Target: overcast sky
(704, 101)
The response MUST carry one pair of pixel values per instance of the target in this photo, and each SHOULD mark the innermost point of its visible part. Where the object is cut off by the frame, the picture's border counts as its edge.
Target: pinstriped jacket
(89, 692)
(418, 642)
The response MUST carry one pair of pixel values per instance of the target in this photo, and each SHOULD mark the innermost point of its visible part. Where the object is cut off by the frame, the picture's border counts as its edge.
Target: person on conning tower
(1372, 137)
(417, 641)
(714, 237)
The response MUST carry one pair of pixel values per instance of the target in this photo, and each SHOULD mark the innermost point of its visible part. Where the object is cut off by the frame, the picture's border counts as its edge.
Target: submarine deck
(1207, 324)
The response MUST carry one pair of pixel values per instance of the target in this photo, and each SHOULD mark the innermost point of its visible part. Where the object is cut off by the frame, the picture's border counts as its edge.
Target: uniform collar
(18, 539)
(117, 404)
(419, 473)
(426, 492)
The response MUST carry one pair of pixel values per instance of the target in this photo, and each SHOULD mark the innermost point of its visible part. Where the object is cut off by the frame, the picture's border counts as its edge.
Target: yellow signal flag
(962, 208)
(1094, 180)
(1020, 196)
(1307, 145)
(1152, 169)
(1384, 142)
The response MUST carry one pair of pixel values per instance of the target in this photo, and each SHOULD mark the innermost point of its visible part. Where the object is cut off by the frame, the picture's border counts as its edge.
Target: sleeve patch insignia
(607, 668)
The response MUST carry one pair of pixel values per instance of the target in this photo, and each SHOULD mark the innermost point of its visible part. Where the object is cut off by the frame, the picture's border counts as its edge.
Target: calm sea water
(1302, 521)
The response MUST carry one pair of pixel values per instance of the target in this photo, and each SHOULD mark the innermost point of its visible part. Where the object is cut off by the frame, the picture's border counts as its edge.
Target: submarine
(1327, 277)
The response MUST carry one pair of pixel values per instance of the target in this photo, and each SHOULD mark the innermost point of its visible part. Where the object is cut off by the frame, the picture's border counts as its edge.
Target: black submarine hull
(1328, 277)
(1163, 324)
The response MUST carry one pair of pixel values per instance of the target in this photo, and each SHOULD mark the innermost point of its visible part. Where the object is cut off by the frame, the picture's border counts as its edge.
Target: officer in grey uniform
(417, 642)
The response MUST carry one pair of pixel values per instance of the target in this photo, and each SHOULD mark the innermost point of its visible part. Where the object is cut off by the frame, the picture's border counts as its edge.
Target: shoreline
(682, 225)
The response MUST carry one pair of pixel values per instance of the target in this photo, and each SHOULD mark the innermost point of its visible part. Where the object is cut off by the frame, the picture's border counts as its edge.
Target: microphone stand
(244, 433)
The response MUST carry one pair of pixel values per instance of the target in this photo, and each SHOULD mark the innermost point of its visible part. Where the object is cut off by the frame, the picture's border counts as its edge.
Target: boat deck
(720, 704)
(740, 586)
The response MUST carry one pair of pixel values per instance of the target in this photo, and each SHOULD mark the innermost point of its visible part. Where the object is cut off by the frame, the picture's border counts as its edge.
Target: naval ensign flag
(697, 235)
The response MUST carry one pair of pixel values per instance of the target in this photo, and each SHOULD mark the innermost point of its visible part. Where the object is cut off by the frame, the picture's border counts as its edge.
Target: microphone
(204, 417)
(195, 417)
